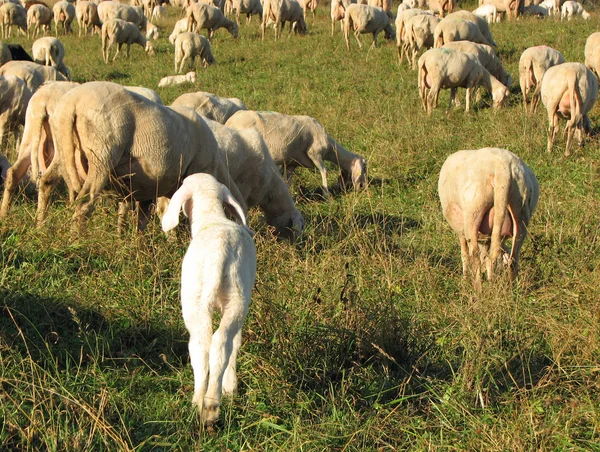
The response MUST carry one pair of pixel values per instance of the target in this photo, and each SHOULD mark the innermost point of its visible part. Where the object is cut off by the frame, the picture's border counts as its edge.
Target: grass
(362, 335)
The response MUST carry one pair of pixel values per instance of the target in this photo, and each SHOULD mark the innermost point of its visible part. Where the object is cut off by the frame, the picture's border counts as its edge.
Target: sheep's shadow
(116, 75)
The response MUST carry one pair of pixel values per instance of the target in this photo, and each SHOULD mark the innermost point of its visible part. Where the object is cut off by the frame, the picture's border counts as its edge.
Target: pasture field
(362, 335)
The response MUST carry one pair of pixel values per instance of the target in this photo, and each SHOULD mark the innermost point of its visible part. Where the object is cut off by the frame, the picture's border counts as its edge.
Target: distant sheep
(450, 29)
(38, 17)
(87, 17)
(11, 14)
(247, 7)
(64, 13)
(210, 18)
(486, 56)
(50, 51)
(172, 80)
(592, 53)
(119, 32)
(488, 12)
(188, 46)
(280, 12)
(481, 23)
(571, 9)
(419, 34)
(210, 106)
(533, 64)
(367, 19)
(338, 12)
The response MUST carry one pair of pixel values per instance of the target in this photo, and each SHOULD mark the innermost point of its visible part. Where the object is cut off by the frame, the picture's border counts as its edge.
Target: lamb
(143, 148)
(401, 38)
(569, 90)
(302, 141)
(486, 56)
(280, 12)
(247, 7)
(480, 22)
(180, 27)
(38, 16)
(189, 46)
(33, 74)
(14, 97)
(218, 272)
(553, 7)
(488, 12)
(419, 31)
(172, 80)
(11, 14)
(445, 68)
(367, 19)
(570, 9)
(449, 30)
(210, 106)
(50, 52)
(533, 64)
(338, 12)
(87, 17)
(210, 18)
(64, 13)
(488, 195)
(117, 31)
(592, 53)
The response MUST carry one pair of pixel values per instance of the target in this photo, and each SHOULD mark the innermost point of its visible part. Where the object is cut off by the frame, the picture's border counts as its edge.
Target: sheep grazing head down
(499, 96)
(357, 178)
(287, 225)
(149, 48)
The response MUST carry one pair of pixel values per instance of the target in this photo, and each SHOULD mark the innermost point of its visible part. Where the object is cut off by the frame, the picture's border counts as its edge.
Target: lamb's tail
(171, 217)
(64, 145)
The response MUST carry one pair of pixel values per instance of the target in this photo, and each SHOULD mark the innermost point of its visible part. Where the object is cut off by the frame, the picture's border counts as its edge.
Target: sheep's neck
(338, 154)
(202, 217)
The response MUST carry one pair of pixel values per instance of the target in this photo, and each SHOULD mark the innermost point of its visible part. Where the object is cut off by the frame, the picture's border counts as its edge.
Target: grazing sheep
(338, 12)
(5, 54)
(50, 52)
(180, 27)
(159, 12)
(486, 56)
(33, 74)
(38, 16)
(143, 148)
(449, 30)
(570, 9)
(367, 19)
(420, 4)
(218, 272)
(302, 141)
(113, 10)
(152, 31)
(488, 12)
(487, 196)
(533, 64)
(386, 5)
(148, 7)
(480, 22)
(553, 6)
(87, 17)
(11, 14)
(172, 80)
(569, 90)
(210, 18)
(401, 38)
(536, 10)
(14, 97)
(592, 53)
(210, 106)
(64, 13)
(188, 46)
(441, 7)
(510, 7)
(445, 68)
(419, 32)
(247, 7)
(119, 32)
(280, 12)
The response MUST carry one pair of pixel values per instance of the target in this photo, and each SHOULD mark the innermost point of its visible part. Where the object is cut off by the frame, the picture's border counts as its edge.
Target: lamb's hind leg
(198, 321)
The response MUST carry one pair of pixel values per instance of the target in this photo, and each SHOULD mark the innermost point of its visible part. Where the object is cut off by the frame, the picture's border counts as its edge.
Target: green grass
(362, 335)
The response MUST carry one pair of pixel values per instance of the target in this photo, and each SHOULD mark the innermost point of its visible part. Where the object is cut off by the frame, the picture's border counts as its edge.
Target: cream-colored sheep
(302, 141)
(172, 80)
(188, 46)
(338, 12)
(87, 17)
(64, 13)
(367, 19)
(571, 9)
(148, 7)
(487, 196)
(210, 106)
(553, 7)
(280, 12)
(533, 64)
(247, 7)
(145, 92)
(112, 10)
(38, 16)
(159, 12)
(386, 5)
(14, 97)
(50, 51)
(486, 56)
(479, 21)
(445, 68)
(217, 273)
(180, 27)
(419, 34)
(510, 7)
(144, 149)
(420, 4)
(11, 14)
(441, 7)
(210, 18)
(592, 53)
(33, 74)
(569, 90)
(449, 30)
(309, 5)
(119, 32)
(488, 12)
(401, 38)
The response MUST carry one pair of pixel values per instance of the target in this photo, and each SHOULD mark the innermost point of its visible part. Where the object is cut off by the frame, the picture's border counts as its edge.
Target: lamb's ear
(233, 207)
(171, 216)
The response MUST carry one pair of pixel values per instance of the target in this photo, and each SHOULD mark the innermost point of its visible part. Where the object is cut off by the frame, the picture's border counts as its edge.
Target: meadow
(362, 334)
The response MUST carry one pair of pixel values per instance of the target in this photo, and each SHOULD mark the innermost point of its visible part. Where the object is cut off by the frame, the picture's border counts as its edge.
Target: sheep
(33, 74)
(87, 17)
(14, 97)
(310, 5)
(11, 14)
(449, 30)
(280, 12)
(419, 32)
(144, 149)
(441, 6)
(533, 64)
(4, 167)
(247, 7)
(570, 9)
(592, 53)
(211, 18)
(145, 92)
(189, 46)
(180, 27)
(401, 38)
(218, 272)
(29, 3)
(479, 21)
(569, 90)
(420, 4)
(64, 13)
(553, 7)
(338, 12)
(536, 10)
(148, 7)
(50, 52)
(113, 10)
(159, 12)
(37, 149)
(5, 53)
(172, 80)
(38, 16)
(119, 32)
(510, 7)
(445, 68)
(486, 56)
(367, 19)
(210, 106)
(488, 12)
(386, 5)
(487, 195)
(302, 141)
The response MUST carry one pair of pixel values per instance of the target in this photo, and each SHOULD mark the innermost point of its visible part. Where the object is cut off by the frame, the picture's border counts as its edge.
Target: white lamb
(488, 12)
(217, 273)
(50, 51)
(172, 80)
(571, 9)
(486, 56)
(210, 18)
(487, 196)
(592, 53)
(533, 64)
(64, 13)
(210, 106)
(38, 16)
(119, 32)
(569, 90)
(401, 38)
(87, 17)
(367, 19)
(188, 46)
(280, 12)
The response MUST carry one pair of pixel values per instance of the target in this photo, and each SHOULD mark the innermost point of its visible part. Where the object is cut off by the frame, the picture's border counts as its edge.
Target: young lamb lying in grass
(487, 196)
(119, 32)
(172, 80)
(210, 106)
(367, 19)
(217, 273)
(569, 90)
(533, 64)
(190, 45)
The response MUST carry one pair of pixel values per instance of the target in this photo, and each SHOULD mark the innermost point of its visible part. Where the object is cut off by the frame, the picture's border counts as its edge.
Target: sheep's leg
(183, 61)
(318, 162)
(95, 181)
(552, 126)
(332, 26)
(198, 321)
(468, 99)
(569, 128)
(452, 96)
(128, 54)
(516, 250)
(356, 33)
(119, 45)
(124, 208)
(13, 175)
(464, 255)
(230, 380)
(46, 182)
(374, 45)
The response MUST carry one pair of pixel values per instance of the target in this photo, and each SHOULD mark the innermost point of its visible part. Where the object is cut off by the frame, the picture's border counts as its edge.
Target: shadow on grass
(116, 75)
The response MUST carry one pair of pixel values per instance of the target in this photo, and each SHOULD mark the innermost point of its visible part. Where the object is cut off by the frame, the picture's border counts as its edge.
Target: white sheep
(367, 19)
(338, 12)
(159, 12)
(217, 273)
(451, 29)
(445, 68)
(510, 7)
(488, 12)
(210, 18)
(134, 14)
(11, 14)
(14, 97)
(145, 92)
(569, 90)
(173, 80)
(4, 166)
(50, 51)
(533, 64)
(481, 23)
(119, 32)
(148, 7)
(302, 141)
(280, 12)
(210, 106)
(247, 7)
(38, 16)
(487, 196)
(419, 34)
(441, 7)
(188, 46)
(87, 17)
(310, 5)
(33, 74)
(64, 13)
(401, 38)
(386, 5)
(571, 9)
(553, 7)
(486, 56)
(592, 53)
(180, 27)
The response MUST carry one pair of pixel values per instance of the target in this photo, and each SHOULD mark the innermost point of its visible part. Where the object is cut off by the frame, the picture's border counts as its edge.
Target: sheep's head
(288, 225)
(357, 176)
(585, 15)
(234, 30)
(207, 57)
(390, 34)
(149, 48)
(300, 26)
(499, 95)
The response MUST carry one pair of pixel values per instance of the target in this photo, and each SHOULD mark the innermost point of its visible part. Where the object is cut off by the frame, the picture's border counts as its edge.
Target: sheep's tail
(439, 40)
(64, 145)
(104, 41)
(575, 98)
(501, 187)
(348, 25)
(530, 73)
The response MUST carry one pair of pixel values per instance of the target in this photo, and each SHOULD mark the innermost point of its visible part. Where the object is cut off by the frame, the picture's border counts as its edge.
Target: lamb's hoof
(210, 414)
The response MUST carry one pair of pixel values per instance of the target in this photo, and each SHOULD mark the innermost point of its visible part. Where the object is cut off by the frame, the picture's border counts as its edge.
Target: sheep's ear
(171, 216)
(233, 207)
